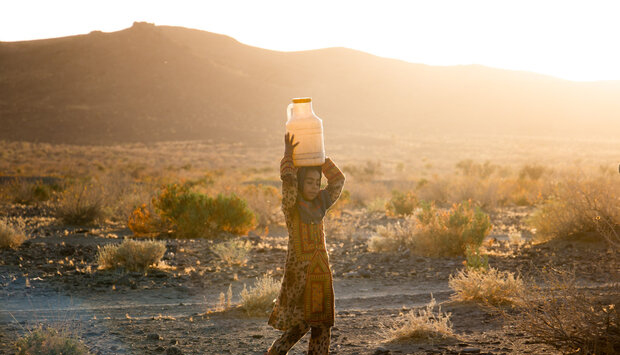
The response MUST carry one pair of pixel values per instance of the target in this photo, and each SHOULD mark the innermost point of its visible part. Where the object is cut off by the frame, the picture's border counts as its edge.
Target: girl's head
(309, 181)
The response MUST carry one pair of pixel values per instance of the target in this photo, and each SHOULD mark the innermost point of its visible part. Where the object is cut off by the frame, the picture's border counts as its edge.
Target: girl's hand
(288, 144)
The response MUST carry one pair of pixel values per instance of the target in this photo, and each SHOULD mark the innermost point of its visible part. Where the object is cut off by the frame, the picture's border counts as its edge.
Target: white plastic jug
(308, 131)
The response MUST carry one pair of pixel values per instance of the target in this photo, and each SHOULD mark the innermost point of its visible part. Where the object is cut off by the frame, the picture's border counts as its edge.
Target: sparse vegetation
(394, 236)
(570, 318)
(435, 232)
(575, 207)
(259, 299)
(132, 255)
(195, 215)
(11, 235)
(81, 204)
(27, 192)
(401, 204)
(485, 286)
(233, 252)
(49, 341)
(425, 324)
(264, 201)
(450, 232)
(474, 259)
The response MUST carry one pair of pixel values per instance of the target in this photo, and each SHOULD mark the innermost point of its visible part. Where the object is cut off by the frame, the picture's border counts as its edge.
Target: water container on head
(308, 131)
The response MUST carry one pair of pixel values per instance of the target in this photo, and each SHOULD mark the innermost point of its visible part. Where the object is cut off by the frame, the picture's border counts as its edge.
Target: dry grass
(576, 205)
(132, 255)
(81, 204)
(570, 318)
(233, 252)
(11, 235)
(422, 325)
(259, 299)
(27, 192)
(49, 341)
(364, 193)
(485, 286)
(393, 237)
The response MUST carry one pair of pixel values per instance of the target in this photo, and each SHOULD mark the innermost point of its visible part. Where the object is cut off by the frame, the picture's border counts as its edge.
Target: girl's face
(311, 185)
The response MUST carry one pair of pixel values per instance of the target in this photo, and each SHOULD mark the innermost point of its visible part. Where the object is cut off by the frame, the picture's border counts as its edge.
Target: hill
(157, 83)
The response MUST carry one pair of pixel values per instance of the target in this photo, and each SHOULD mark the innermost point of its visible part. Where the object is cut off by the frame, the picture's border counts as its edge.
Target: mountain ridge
(156, 83)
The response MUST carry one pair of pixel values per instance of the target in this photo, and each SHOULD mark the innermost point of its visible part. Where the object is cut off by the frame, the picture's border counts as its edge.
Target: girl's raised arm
(288, 174)
(335, 180)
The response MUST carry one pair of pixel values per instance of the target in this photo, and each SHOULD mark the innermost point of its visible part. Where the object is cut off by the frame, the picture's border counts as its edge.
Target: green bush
(401, 204)
(450, 232)
(195, 215)
(49, 341)
(437, 232)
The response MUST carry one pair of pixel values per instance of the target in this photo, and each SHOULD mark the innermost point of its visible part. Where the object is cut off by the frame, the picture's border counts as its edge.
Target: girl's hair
(302, 172)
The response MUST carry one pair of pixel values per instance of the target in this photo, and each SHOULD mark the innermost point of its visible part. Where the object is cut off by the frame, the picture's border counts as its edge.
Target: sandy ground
(47, 281)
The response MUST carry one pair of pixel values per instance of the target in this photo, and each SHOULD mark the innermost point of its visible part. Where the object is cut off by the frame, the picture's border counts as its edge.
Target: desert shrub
(435, 232)
(49, 341)
(121, 194)
(401, 204)
(195, 215)
(575, 207)
(559, 313)
(486, 286)
(11, 236)
(475, 260)
(259, 299)
(424, 324)
(487, 193)
(470, 168)
(368, 172)
(132, 255)
(435, 190)
(27, 193)
(338, 227)
(80, 204)
(143, 222)
(233, 252)
(523, 192)
(376, 205)
(609, 231)
(393, 237)
(264, 201)
(450, 232)
(365, 194)
(533, 172)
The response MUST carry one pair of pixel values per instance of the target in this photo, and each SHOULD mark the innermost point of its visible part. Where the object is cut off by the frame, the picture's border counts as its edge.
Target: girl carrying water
(306, 299)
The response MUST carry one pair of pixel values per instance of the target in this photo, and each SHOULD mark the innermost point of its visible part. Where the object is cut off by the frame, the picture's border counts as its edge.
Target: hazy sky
(576, 40)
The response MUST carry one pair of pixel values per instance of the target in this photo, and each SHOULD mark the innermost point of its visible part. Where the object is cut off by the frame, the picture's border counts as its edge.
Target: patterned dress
(307, 294)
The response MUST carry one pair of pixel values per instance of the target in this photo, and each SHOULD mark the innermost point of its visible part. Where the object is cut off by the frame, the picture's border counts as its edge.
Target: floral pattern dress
(307, 294)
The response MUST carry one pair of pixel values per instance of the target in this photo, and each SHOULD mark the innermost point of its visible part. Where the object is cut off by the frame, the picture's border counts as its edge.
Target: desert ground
(174, 308)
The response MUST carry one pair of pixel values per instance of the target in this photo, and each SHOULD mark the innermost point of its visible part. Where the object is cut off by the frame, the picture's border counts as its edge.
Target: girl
(306, 299)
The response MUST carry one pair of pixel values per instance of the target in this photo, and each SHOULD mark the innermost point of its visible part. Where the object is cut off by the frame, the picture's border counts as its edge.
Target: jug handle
(289, 112)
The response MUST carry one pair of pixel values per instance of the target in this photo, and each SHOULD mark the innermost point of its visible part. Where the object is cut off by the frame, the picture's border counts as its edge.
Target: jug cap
(301, 100)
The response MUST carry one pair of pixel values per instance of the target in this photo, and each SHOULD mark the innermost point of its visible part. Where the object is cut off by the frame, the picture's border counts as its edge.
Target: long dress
(307, 294)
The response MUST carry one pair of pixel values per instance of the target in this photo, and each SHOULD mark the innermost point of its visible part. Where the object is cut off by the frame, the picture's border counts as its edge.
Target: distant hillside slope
(153, 83)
